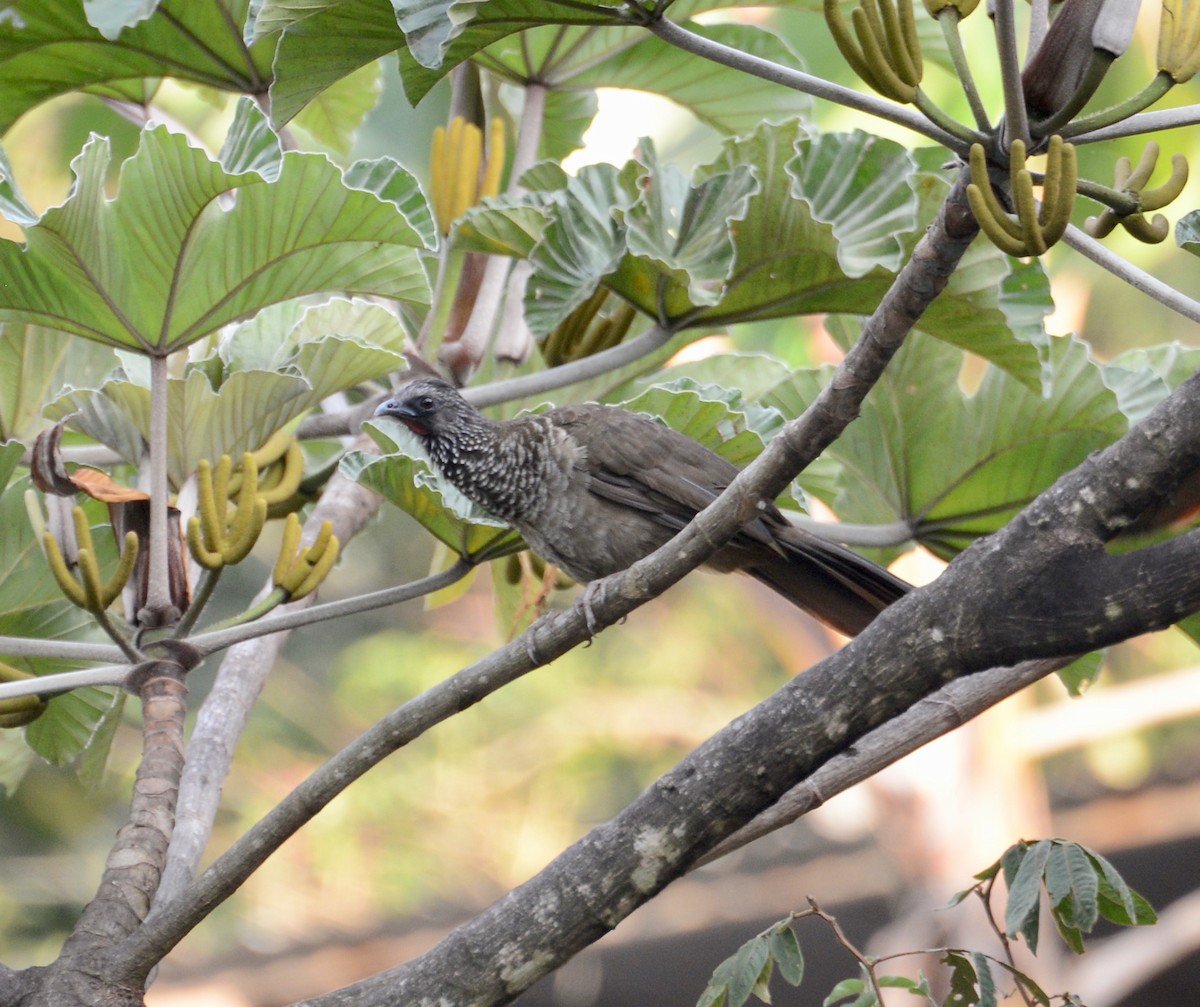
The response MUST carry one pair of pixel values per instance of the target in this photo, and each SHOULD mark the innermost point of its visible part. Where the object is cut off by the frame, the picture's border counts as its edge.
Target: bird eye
(426, 402)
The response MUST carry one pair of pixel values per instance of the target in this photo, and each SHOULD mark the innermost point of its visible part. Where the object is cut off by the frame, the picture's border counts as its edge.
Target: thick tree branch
(135, 863)
(919, 282)
(909, 652)
(937, 714)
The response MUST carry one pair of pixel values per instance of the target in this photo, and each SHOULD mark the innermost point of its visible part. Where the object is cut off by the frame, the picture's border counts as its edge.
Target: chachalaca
(595, 488)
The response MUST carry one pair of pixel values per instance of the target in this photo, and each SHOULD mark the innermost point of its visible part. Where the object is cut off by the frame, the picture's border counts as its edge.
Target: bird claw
(531, 648)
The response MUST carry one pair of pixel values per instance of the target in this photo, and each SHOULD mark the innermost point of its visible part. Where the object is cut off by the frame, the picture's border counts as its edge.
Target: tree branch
(909, 652)
(922, 278)
(797, 80)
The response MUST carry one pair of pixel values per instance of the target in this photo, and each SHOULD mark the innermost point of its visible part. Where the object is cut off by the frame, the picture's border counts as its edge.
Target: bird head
(428, 407)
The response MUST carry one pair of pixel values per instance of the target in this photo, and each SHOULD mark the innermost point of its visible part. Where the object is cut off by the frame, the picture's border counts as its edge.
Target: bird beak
(397, 409)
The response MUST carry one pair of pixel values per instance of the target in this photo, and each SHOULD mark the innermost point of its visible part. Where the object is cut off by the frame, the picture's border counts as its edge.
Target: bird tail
(829, 581)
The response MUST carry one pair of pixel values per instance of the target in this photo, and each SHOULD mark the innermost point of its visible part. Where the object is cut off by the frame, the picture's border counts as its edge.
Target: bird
(593, 488)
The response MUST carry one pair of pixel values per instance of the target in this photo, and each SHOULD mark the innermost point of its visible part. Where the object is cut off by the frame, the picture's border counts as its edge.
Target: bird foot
(593, 592)
(531, 648)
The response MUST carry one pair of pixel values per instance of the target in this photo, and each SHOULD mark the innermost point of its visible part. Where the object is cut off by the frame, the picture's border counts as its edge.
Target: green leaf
(849, 988)
(717, 989)
(12, 203)
(1025, 982)
(403, 476)
(861, 186)
(956, 466)
(1143, 377)
(567, 59)
(394, 184)
(248, 406)
(504, 225)
(321, 43)
(1072, 884)
(567, 117)
(748, 964)
(93, 760)
(785, 950)
(964, 980)
(920, 987)
(580, 247)
(251, 145)
(202, 265)
(1187, 232)
(334, 116)
(1081, 674)
(442, 33)
(72, 723)
(682, 233)
(48, 48)
(1119, 903)
(1024, 892)
(35, 363)
(708, 414)
(15, 759)
(10, 456)
(789, 254)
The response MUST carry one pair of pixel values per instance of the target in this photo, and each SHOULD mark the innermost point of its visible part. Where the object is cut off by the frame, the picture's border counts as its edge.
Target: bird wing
(636, 462)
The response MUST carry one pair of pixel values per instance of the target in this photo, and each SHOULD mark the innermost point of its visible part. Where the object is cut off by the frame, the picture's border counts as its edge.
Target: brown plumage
(595, 488)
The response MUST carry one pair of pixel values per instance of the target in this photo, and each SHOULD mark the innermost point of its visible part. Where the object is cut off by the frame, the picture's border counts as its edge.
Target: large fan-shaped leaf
(322, 42)
(163, 263)
(442, 33)
(957, 466)
(35, 363)
(48, 48)
(825, 231)
(714, 416)
(565, 58)
(249, 405)
(684, 233)
(581, 246)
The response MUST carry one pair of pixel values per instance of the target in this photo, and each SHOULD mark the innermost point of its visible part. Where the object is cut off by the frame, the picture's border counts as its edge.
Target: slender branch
(937, 714)
(864, 960)
(1010, 74)
(67, 650)
(210, 643)
(1159, 86)
(571, 373)
(1139, 279)
(1144, 122)
(158, 598)
(949, 19)
(65, 681)
(529, 138)
(797, 80)
(952, 628)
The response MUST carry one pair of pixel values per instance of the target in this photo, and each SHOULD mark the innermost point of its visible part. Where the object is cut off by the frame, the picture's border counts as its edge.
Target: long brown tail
(836, 585)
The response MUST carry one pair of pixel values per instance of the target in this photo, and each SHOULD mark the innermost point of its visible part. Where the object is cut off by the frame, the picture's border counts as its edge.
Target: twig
(797, 80)
(1139, 279)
